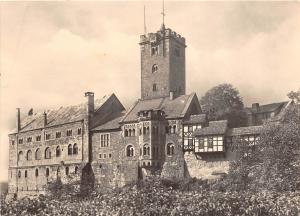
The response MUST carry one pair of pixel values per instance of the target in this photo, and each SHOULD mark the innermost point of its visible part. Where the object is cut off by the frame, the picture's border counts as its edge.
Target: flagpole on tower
(145, 28)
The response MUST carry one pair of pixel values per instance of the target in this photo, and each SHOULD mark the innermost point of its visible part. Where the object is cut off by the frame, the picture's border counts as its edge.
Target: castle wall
(208, 166)
(115, 169)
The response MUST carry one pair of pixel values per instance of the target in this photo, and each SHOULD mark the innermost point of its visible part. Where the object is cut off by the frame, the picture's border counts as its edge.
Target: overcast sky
(52, 52)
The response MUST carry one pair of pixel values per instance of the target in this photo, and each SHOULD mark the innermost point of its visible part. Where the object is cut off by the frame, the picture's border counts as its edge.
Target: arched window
(36, 172)
(57, 151)
(25, 173)
(154, 68)
(47, 153)
(170, 149)
(144, 130)
(19, 174)
(146, 149)
(70, 149)
(126, 132)
(67, 170)
(20, 156)
(129, 132)
(147, 130)
(38, 154)
(133, 132)
(47, 172)
(76, 169)
(75, 149)
(129, 151)
(58, 171)
(29, 155)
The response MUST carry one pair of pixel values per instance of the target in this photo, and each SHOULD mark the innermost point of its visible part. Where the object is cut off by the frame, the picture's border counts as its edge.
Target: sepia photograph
(150, 108)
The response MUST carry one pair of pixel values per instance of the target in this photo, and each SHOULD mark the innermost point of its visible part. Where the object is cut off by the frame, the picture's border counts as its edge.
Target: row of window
(47, 172)
(146, 150)
(72, 150)
(48, 136)
(146, 131)
(104, 156)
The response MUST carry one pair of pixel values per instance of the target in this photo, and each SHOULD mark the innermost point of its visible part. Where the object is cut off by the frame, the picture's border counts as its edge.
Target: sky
(53, 52)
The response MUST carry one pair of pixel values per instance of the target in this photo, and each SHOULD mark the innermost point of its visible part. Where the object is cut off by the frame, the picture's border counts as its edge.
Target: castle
(163, 132)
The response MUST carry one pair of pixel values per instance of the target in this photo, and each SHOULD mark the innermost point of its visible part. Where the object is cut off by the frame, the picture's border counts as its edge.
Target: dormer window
(29, 139)
(154, 68)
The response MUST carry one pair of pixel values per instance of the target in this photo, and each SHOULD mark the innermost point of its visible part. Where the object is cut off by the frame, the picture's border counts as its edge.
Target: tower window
(154, 49)
(177, 52)
(154, 87)
(154, 68)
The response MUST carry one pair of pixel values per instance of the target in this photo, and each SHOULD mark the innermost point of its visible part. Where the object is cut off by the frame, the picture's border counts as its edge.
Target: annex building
(163, 132)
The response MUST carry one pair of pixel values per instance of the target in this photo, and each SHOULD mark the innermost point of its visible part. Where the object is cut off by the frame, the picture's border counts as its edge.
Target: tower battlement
(167, 33)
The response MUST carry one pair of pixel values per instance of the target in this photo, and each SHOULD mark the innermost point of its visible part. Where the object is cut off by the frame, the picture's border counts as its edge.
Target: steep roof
(268, 107)
(245, 130)
(110, 125)
(175, 108)
(194, 119)
(58, 116)
(214, 127)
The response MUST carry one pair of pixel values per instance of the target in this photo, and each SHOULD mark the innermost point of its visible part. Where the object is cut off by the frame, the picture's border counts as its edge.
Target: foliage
(224, 102)
(274, 162)
(153, 197)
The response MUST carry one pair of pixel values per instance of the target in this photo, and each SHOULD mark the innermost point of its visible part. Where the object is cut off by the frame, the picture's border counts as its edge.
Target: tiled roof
(175, 108)
(214, 127)
(245, 130)
(58, 116)
(268, 107)
(194, 119)
(110, 125)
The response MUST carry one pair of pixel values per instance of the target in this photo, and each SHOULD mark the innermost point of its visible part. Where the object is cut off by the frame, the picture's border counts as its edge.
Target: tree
(224, 102)
(274, 162)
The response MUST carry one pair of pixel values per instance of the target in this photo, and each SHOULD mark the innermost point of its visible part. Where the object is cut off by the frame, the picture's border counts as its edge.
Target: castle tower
(162, 64)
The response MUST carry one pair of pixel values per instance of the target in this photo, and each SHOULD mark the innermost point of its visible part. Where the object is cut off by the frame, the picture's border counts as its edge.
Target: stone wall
(208, 166)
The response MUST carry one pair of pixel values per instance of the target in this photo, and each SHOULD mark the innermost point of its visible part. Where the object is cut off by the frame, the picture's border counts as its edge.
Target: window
(75, 149)
(57, 151)
(29, 155)
(70, 149)
(20, 156)
(100, 156)
(67, 170)
(154, 49)
(154, 68)
(79, 131)
(36, 172)
(109, 155)
(25, 174)
(177, 52)
(29, 139)
(76, 170)
(104, 140)
(104, 155)
(38, 138)
(48, 136)
(47, 172)
(170, 149)
(19, 174)
(154, 87)
(20, 141)
(210, 142)
(58, 135)
(69, 132)
(126, 133)
(12, 142)
(47, 153)
(129, 151)
(146, 149)
(38, 154)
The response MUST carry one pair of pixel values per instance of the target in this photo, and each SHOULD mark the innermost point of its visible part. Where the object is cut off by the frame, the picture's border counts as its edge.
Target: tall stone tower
(162, 64)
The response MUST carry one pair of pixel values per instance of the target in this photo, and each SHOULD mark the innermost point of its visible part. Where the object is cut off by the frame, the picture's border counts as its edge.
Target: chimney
(171, 95)
(45, 119)
(255, 107)
(18, 121)
(90, 102)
